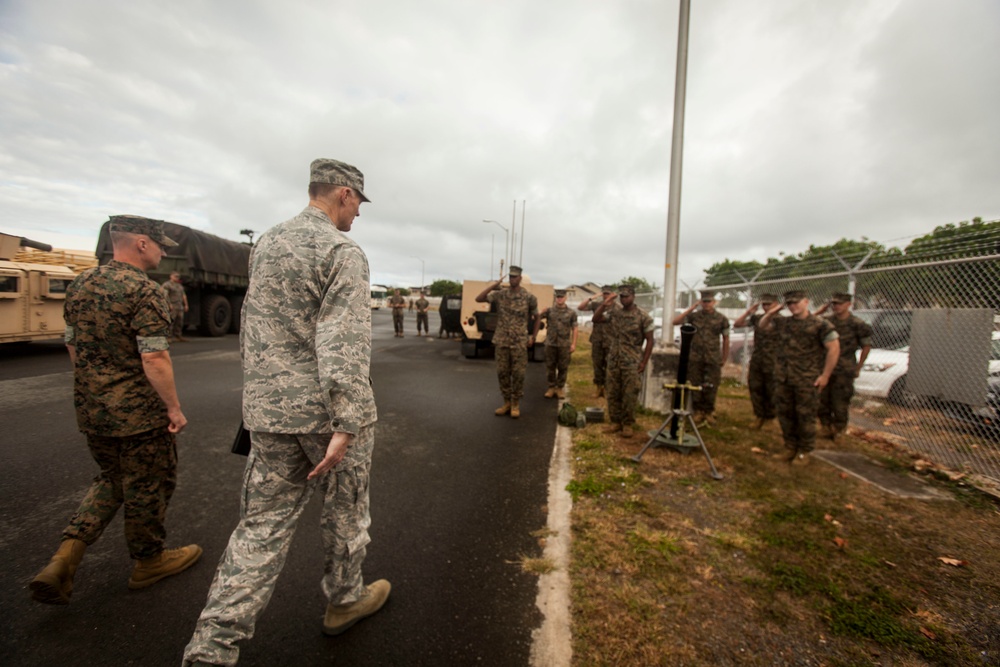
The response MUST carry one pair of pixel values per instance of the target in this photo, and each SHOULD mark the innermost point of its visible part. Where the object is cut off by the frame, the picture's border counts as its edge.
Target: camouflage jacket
(765, 343)
(516, 311)
(397, 303)
(599, 332)
(705, 345)
(854, 333)
(626, 332)
(115, 313)
(175, 294)
(422, 305)
(560, 325)
(801, 347)
(305, 336)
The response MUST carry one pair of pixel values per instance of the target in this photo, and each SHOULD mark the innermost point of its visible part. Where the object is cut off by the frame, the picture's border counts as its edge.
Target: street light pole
(506, 243)
(422, 265)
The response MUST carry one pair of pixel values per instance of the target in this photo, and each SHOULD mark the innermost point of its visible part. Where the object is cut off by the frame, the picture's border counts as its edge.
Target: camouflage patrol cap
(794, 295)
(560, 292)
(514, 271)
(135, 224)
(768, 298)
(840, 297)
(608, 289)
(708, 295)
(334, 172)
(626, 288)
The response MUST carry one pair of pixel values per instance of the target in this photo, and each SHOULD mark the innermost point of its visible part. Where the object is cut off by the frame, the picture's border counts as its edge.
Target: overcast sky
(807, 121)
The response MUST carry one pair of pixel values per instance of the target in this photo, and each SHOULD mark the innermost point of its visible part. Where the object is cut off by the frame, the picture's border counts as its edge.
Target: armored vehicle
(33, 282)
(479, 320)
(214, 272)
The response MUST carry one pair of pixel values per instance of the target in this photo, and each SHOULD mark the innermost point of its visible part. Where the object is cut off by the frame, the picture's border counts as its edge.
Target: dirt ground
(775, 564)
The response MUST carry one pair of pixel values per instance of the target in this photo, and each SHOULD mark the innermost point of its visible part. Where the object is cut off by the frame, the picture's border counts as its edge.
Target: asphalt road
(456, 494)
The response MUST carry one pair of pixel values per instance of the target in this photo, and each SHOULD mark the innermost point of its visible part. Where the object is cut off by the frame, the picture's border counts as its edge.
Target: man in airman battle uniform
(117, 321)
(178, 301)
(560, 343)
(854, 334)
(422, 305)
(305, 340)
(517, 312)
(705, 360)
(761, 373)
(807, 353)
(628, 328)
(397, 303)
(600, 345)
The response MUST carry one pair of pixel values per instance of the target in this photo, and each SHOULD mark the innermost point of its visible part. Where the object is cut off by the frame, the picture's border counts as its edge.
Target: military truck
(479, 320)
(214, 272)
(33, 282)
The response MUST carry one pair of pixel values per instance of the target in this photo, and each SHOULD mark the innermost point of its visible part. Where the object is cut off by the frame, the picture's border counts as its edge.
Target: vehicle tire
(470, 348)
(898, 395)
(236, 308)
(216, 315)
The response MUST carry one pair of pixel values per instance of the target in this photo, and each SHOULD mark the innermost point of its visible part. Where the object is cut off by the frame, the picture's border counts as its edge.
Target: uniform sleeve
(865, 333)
(343, 340)
(491, 297)
(828, 333)
(725, 326)
(151, 320)
(648, 326)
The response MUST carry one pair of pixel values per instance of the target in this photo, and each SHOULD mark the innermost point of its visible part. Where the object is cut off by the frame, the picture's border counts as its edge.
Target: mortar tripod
(680, 416)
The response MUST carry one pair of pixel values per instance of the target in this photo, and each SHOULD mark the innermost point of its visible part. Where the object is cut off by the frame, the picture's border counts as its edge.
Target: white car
(884, 372)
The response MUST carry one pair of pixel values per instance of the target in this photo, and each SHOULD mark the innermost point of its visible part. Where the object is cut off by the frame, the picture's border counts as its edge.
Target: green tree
(445, 287)
(640, 285)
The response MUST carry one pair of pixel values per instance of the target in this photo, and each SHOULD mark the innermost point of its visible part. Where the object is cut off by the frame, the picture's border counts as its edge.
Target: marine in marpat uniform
(854, 334)
(599, 343)
(517, 311)
(177, 298)
(117, 321)
(560, 343)
(422, 306)
(397, 303)
(305, 340)
(706, 358)
(629, 328)
(807, 353)
(761, 374)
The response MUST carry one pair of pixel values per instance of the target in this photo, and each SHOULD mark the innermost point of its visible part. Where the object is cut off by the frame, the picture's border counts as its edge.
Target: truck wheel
(236, 307)
(469, 348)
(216, 315)
(537, 352)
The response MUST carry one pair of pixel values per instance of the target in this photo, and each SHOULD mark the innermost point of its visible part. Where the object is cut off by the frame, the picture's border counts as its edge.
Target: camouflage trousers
(797, 406)
(422, 321)
(707, 374)
(835, 400)
(177, 322)
(139, 473)
(599, 355)
(275, 492)
(512, 364)
(556, 365)
(763, 387)
(622, 391)
(397, 320)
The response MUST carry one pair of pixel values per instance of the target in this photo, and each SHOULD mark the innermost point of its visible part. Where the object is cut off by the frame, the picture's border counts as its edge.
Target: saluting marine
(705, 360)
(853, 334)
(560, 343)
(761, 378)
(600, 343)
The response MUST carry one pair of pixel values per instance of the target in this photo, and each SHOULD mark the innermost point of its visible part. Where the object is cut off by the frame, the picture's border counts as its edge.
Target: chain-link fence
(932, 378)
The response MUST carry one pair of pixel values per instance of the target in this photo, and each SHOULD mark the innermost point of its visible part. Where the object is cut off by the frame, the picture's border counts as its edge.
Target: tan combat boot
(54, 584)
(503, 409)
(550, 393)
(340, 617)
(515, 409)
(164, 564)
(560, 393)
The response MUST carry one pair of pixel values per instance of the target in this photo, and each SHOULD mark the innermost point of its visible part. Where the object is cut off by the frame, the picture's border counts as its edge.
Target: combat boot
(340, 617)
(515, 409)
(560, 393)
(759, 424)
(164, 564)
(54, 584)
(627, 431)
(614, 428)
(550, 392)
(503, 409)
